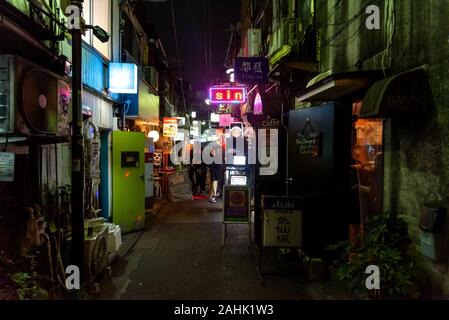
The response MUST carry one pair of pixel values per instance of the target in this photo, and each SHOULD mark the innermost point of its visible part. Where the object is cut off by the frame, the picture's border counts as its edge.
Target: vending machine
(128, 184)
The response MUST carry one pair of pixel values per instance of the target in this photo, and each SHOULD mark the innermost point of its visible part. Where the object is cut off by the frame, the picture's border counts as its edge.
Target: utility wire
(346, 25)
(178, 56)
(209, 38)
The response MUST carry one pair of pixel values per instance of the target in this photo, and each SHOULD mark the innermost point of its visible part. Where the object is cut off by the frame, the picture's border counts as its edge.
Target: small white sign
(282, 224)
(7, 166)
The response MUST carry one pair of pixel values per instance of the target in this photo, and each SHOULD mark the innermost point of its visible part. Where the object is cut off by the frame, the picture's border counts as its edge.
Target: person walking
(215, 171)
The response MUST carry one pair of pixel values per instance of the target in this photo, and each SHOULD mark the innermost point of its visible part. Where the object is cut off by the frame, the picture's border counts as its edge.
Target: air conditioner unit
(33, 101)
(96, 256)
(254, 38)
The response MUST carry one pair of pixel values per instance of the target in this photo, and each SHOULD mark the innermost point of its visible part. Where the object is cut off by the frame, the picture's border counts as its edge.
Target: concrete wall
(416, 148)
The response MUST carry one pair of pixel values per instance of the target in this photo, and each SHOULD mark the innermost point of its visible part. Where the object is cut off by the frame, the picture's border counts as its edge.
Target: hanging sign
(282, 221)
(236, 206)
(123, 78)
(251, 70)
(170, 127)
(7, 166)
(309, 144)
(225, 94)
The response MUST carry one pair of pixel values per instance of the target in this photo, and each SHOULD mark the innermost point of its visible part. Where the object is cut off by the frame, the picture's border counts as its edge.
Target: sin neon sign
(227, 95)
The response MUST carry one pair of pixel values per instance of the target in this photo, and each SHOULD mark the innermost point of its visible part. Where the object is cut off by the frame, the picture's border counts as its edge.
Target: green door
(128, 183)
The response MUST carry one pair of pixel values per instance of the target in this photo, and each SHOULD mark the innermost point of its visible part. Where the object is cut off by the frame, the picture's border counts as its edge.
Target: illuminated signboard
(122, 78)
(170, 127)
(214, 117)
(227, 95)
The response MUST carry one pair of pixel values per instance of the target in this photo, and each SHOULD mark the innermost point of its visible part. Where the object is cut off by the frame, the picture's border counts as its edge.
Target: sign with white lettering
(251, 70)
(282, 221)
(309, 144)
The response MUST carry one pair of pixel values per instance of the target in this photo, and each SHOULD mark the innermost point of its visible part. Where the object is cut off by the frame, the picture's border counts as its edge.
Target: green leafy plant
(28, 287)
(385, 244)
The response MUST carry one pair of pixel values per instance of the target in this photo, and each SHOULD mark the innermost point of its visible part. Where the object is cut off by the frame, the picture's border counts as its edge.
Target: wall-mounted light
(193, 114)
(99, 33)
(230, 72)
(153, 134)
(207, 101)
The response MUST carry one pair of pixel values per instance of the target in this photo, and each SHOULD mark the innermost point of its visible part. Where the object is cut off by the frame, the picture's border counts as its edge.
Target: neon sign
(227, 95)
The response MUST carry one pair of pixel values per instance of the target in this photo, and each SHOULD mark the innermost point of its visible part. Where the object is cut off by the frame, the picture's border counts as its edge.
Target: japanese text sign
(282, 222)
(251, 70)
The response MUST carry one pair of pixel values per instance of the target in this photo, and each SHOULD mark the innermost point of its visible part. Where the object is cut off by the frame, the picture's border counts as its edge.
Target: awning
(404, 93)
(337, 86)
(279, 54)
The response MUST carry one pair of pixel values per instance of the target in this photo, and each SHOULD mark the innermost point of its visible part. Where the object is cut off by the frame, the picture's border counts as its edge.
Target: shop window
(367, 164)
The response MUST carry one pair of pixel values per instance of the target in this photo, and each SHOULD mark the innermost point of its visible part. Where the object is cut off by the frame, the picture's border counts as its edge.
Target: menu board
(282, 221)
(236, 205)
(309, 144)
(179, 187)
(6, 166)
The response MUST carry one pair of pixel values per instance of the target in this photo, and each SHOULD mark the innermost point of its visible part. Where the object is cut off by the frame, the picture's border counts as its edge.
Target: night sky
(191, 23)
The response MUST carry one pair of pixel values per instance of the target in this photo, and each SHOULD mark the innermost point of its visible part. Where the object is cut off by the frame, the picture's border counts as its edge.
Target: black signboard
(309, 144)
(251, 70)
(236, 206)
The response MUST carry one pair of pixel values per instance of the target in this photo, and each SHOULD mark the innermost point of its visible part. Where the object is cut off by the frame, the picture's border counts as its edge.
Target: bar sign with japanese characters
(251, 70)
(282, 221)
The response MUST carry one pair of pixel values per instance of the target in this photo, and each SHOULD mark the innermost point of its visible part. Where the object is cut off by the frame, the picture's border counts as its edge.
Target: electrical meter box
(432, 238)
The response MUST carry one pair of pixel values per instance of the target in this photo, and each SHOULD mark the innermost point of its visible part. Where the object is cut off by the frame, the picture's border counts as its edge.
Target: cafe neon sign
(224, 95)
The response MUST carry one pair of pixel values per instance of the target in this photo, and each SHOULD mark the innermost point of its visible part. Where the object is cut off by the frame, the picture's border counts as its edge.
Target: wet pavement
(179, 256)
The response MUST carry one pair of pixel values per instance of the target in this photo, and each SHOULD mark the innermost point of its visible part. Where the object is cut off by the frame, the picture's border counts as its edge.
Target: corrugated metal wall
(148, 105)
(94, 70)
(144, 105)
(101, 109)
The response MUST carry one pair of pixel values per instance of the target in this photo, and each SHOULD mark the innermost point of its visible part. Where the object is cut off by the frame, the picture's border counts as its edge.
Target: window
(102, 18)
(88, 19)
(367, 154)
(98, 13)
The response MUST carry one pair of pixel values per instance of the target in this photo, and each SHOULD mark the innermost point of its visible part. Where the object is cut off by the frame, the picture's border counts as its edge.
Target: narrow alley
(179, 256)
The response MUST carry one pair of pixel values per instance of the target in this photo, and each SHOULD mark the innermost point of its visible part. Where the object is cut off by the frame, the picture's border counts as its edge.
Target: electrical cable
(345, 41)
(346, 25)
(390, 33)
(178, 56)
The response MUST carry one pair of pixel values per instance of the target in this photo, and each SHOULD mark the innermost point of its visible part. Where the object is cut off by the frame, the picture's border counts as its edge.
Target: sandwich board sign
(282, 221)
(236, 208)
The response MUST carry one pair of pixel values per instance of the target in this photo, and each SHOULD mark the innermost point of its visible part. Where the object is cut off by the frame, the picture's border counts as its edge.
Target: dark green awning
(338, 86)
(401, 94)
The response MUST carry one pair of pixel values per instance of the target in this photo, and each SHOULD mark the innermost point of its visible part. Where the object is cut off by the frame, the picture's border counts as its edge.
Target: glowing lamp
(153, 134)
(258, 106)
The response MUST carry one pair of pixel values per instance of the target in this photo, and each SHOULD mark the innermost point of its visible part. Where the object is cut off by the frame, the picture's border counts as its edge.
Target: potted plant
(387, 245)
